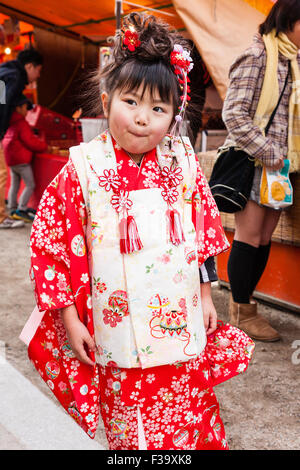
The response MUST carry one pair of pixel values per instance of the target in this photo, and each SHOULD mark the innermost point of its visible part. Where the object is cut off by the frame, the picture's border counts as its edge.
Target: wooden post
(118, 14)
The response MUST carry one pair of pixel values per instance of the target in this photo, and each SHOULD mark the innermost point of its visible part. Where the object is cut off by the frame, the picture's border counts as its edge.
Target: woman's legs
(249, 224)
(247, 261)
(269, 225)
(260, 263)
(240, 269)
(251, 247)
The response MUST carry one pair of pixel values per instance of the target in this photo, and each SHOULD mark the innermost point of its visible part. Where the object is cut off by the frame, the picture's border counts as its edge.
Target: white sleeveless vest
(146, 305)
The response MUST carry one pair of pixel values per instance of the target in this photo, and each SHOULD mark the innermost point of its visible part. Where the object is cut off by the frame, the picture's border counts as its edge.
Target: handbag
(276, 190)
(233, 172)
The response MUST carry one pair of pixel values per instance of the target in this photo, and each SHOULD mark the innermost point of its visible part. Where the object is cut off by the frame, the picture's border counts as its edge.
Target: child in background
(128, 330)
(19, 144)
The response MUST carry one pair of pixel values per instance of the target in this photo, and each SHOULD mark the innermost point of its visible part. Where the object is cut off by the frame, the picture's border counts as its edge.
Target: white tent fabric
(221, 30)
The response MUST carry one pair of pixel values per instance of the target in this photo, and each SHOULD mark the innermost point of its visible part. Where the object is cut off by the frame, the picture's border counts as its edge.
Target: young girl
(117, 243)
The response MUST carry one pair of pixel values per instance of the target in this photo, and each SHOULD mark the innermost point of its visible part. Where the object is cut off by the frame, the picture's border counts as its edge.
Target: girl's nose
(141, 119)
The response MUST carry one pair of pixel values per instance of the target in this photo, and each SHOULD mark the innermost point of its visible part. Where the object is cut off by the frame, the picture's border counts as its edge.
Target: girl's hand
(208, 308)
(209, 316)
(78, 335)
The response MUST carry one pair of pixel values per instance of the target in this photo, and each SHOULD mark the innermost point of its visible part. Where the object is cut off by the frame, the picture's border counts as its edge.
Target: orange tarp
(221, 29)
(72, 13)
(69, 13)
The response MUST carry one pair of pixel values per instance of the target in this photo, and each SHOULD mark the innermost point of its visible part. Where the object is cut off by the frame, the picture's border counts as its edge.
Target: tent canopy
(96, 19)
(221, 29)
(92, 19)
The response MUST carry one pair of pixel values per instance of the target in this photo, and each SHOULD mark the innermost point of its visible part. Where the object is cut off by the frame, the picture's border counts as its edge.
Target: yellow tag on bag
(276, 190)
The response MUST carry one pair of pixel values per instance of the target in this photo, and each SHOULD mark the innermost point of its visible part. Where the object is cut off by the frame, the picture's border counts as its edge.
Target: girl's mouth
(135, 134)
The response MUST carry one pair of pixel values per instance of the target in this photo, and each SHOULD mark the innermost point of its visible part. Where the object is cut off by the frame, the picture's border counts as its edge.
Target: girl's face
(294, 35)
(137, 123)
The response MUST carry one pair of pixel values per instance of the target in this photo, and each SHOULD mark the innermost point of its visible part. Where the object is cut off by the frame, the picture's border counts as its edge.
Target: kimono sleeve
(211, 238)
(60, 211)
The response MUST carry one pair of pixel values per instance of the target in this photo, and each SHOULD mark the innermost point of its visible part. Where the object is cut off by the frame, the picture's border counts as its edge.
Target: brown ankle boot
(245, 317)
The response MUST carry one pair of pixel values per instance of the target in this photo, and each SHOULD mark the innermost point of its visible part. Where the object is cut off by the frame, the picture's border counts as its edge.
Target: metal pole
(118, 12)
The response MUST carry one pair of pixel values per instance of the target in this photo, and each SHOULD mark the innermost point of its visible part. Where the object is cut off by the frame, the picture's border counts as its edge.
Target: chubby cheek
(118, 124)
(160, 131)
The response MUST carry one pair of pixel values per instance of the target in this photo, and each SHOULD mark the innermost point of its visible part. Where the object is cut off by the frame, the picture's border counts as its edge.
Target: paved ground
(260, 409)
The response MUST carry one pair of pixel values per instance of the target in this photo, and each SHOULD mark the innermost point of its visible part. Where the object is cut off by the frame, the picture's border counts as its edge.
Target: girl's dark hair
(282, 17)
(148, 65)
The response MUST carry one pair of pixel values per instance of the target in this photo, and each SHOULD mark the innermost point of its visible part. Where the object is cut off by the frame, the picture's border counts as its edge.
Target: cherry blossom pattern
(178, 408)
(193, 404)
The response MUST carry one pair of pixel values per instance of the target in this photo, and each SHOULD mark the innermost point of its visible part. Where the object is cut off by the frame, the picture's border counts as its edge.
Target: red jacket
(19, 142)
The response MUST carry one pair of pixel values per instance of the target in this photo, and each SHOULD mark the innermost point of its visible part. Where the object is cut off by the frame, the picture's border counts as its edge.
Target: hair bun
(156, 39)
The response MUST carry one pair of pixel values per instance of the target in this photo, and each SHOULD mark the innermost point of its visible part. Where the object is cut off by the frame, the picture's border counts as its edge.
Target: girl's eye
(131, 102)
(158, 109)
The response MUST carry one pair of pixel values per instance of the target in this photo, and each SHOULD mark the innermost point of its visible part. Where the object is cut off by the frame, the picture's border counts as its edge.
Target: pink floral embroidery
(118, 308)
(165, 258)
(101, 287)
(110, 318)
(182, 305)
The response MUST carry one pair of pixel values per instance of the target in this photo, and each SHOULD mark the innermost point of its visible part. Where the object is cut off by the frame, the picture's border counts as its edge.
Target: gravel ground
(260, 409)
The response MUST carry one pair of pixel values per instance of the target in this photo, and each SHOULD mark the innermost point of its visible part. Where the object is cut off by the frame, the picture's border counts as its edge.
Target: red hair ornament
(131, 39)
(182, 62)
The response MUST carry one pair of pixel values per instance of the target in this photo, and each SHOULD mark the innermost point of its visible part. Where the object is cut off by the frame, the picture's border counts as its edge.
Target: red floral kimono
(176, 403)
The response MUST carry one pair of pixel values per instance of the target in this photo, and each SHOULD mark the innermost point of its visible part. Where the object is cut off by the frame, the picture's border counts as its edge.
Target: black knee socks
(240, 270)
(261, 259)
(245, 267)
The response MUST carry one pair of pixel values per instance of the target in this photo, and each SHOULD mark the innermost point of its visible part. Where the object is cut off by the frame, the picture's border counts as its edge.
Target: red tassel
(134, 240)
(175, 227)
(129, 236)
(123, 234)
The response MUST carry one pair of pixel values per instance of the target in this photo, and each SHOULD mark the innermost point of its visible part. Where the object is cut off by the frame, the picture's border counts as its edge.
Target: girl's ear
(104, 99)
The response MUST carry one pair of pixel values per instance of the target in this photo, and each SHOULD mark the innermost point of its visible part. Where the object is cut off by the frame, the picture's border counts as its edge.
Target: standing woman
(256, 80)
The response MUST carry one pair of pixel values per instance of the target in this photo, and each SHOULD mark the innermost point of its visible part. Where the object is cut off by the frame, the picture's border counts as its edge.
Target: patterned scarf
(270, 92)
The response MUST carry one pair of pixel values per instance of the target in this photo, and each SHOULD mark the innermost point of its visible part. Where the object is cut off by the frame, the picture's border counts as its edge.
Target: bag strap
(281, 95)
